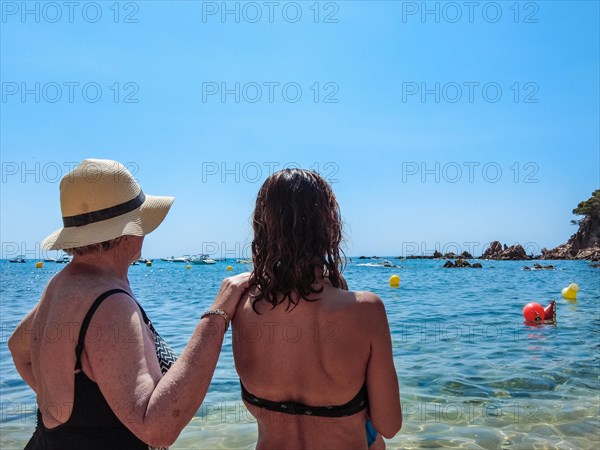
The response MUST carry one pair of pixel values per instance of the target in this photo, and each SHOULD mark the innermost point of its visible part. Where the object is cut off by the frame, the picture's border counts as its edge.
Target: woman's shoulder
(369, 303)
(367, 297)
(83, 288)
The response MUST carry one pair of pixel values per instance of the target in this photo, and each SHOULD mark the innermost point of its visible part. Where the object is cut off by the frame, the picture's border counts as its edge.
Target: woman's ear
(131, 246)
(126, 246)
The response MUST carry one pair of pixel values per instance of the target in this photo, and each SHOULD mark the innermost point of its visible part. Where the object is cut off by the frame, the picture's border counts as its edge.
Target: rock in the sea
(493, 251)
(461, 263)
(585, 243)
(515, 252)
(537, 266)
(568, 251)
(497, 251)
(438, 255)
(476, 266)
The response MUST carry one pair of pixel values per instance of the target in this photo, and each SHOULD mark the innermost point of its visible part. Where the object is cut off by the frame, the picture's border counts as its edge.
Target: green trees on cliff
(589, 208)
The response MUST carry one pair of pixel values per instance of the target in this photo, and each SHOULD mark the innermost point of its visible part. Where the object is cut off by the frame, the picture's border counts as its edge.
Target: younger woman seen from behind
(315, 361)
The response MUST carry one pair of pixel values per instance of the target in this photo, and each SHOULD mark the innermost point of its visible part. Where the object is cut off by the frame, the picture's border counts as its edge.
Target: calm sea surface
(472, 375)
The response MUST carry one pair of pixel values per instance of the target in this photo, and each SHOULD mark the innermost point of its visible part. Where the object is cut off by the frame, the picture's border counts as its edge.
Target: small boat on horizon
(181, 259)
(64, 259)
(202, 259)
(17, 259)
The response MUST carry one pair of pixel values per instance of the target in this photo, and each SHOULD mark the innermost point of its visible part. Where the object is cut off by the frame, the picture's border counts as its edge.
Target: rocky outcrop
(461, 263)
(502, 252)
(494, 249)
(438, 255)
(537, 266)
(565, 251)
(584, 244)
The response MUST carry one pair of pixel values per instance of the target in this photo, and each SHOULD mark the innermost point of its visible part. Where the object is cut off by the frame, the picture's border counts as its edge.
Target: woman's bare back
(316, 354)
(53, 330)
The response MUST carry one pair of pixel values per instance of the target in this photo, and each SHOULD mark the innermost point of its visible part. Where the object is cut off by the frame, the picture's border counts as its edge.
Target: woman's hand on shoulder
(232, 290)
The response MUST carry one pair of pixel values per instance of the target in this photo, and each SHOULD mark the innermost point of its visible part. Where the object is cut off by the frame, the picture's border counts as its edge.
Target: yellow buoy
(148, 263)
(229, 268)
(39, 265)
(188, 267)
(394, 281)
(570, 292)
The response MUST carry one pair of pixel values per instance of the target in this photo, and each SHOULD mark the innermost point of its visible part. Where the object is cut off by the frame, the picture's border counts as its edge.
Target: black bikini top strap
(88, 318)
(147, 321)
(358, 403)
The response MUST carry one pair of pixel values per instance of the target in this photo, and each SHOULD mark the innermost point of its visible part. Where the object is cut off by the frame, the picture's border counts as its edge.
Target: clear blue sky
(375, 58)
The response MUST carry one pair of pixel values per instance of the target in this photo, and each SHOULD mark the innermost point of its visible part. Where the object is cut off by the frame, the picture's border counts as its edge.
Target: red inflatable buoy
(550, 312)
(533, 313)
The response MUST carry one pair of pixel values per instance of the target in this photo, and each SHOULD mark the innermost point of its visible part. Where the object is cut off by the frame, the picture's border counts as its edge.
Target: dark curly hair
(297, 235)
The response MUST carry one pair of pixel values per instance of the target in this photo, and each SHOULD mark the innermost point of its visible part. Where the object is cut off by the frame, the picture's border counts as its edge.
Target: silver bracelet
(217, 312)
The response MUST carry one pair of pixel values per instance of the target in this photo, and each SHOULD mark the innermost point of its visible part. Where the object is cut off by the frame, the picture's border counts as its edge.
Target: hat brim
(139, 222)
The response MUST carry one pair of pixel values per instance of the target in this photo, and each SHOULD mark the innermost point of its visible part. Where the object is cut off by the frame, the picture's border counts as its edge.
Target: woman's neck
(107, 261)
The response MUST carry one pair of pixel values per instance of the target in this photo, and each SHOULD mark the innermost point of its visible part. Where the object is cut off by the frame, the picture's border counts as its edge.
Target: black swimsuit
(92, 424)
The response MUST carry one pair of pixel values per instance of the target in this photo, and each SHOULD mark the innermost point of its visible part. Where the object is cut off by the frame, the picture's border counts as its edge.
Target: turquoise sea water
(472, 375)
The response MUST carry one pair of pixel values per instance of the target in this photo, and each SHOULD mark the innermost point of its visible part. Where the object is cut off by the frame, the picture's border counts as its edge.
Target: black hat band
(104, 214)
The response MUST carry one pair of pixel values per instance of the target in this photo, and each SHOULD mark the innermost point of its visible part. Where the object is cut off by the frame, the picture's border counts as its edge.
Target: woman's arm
(19, 345)
(385, 410)
(124, 365)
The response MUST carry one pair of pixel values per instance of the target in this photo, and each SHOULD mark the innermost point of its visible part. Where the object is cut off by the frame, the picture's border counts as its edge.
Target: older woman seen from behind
(111, 382)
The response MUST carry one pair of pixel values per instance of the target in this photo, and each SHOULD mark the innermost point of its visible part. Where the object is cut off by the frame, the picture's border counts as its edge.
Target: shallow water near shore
(472, 374)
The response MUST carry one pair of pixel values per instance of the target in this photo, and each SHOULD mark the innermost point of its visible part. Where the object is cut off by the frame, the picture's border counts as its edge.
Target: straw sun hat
(100, 200)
